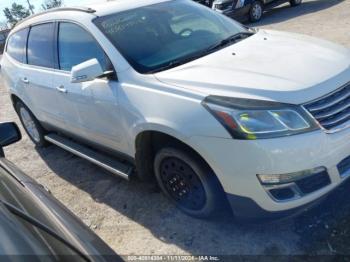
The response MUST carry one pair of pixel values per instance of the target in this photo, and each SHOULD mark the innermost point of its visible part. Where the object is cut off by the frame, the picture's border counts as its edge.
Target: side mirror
(86, 71)
(9, 134)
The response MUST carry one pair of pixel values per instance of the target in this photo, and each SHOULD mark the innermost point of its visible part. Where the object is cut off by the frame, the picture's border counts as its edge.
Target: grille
(344, 167)
(332, 111)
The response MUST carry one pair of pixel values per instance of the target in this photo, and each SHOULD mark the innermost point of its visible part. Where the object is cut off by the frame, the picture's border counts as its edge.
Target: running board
(109, 163)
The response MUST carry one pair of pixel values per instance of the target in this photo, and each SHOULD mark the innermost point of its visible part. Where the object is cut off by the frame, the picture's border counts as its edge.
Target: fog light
(289, 177)
(281, 194)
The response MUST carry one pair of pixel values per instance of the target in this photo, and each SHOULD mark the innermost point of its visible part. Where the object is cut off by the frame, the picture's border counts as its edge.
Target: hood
(269, 65)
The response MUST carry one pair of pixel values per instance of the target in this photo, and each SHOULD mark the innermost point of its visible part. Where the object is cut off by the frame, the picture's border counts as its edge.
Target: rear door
(38, 74)
(13, 62)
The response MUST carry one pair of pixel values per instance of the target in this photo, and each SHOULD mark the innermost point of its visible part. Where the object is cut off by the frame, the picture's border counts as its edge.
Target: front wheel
(295, 2)
(187, 182)
(256, 11)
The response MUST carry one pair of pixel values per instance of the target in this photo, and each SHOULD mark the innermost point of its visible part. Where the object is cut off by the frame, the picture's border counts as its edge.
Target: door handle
(25, 80)
(61, 89)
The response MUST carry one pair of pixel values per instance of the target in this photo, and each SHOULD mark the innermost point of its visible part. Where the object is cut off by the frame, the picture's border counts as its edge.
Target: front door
(90, 108)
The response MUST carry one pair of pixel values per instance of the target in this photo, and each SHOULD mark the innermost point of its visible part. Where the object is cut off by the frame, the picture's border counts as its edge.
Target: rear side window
(17, 45)
(41, 45)
(76, 46)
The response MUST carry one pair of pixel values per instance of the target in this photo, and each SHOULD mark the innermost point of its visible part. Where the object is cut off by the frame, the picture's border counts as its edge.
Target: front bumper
(237, 162)
(246, 209)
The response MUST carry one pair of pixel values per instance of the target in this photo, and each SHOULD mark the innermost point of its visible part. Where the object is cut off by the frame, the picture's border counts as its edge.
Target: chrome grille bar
(337, 109)
(337, 119)
(331, 103)
(332, 110)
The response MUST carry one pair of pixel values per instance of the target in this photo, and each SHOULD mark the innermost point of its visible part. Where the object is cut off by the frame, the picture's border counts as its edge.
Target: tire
(295, 2)
(31, 125)
(256, 11)
(188, 182)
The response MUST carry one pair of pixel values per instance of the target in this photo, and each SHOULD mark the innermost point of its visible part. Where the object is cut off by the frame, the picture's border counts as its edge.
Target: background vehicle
(207, 107)
(207, 3)
(253, 9)
(33, 222)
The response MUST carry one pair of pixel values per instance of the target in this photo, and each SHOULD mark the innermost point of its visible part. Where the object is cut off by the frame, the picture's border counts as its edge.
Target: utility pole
(30, 7)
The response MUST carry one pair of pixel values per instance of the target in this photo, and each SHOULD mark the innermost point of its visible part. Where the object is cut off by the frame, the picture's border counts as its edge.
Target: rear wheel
(256, 11)
(295, 2)
(31, 125)
(187, 182)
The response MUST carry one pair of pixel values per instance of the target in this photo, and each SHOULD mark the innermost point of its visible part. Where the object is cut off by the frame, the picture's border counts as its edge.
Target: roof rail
(59, 9)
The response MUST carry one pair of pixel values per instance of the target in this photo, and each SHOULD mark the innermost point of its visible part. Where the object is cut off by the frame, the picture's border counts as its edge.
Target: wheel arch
(15, 99)
(148, 142)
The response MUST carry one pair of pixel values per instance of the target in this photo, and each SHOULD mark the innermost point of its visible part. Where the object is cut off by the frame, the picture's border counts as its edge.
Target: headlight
(256, 119)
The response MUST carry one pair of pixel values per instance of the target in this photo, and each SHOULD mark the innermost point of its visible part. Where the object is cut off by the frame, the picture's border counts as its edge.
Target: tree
(31, 7)
(3, 25)
(48, 4)
(16, 13)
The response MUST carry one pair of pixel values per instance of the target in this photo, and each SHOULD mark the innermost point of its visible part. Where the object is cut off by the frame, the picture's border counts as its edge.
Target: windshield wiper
(229, 40)
(176, 62)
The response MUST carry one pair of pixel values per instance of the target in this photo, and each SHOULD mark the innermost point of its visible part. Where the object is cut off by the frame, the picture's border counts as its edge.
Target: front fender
(166, 127)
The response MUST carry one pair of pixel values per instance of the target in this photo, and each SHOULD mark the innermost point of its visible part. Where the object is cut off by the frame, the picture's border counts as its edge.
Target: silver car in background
(252, 9)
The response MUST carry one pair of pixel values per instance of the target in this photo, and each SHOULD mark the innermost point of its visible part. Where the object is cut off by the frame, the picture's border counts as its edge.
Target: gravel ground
(135, 218)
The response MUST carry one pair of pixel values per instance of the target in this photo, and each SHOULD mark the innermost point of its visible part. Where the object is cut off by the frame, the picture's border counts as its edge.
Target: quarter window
(40, 45)
(76, 46)
(16, 45)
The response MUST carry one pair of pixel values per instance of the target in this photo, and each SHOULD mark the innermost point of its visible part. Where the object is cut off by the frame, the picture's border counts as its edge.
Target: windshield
(154, 36)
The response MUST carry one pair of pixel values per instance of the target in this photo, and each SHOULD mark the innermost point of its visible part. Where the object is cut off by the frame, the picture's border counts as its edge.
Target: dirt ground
(135, 218)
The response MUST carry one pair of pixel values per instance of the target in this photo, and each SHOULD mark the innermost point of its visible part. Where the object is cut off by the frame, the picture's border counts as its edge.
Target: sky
(37, 4)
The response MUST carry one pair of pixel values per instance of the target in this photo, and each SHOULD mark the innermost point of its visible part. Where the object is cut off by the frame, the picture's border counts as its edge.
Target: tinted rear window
(16, 45)
(41, 45)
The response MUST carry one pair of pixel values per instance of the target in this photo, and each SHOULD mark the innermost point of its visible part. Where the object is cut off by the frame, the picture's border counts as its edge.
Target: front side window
(40, 50)
(76, 46)
(17, 44)
(151, 37)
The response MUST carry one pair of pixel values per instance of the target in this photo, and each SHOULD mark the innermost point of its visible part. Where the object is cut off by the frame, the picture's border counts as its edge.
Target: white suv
(173, 91)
